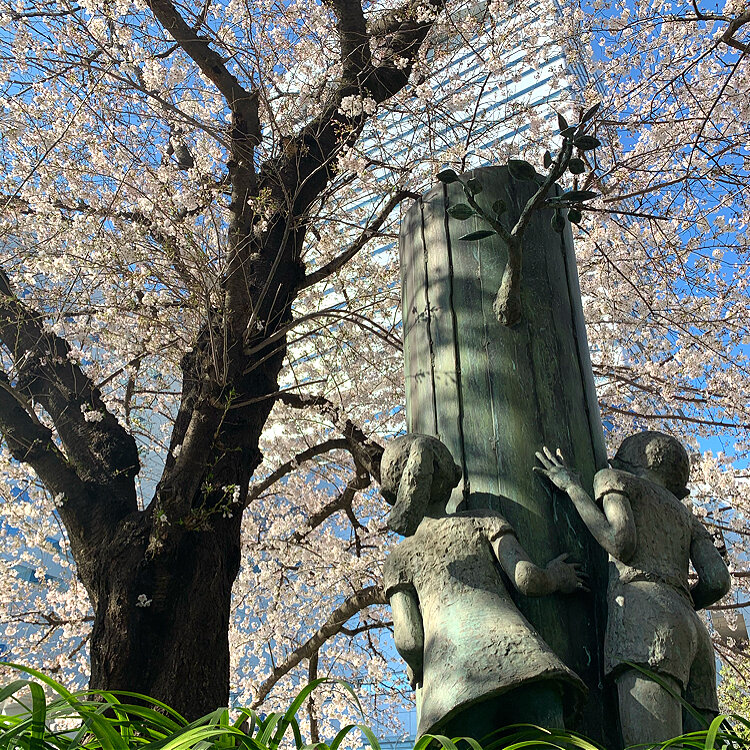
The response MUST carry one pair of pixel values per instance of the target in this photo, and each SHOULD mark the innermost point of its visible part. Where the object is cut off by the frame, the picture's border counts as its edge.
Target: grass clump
(121, 720)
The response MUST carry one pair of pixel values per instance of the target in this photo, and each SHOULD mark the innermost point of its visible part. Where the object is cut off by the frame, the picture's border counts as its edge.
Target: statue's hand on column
(554, 468)
(566, 577)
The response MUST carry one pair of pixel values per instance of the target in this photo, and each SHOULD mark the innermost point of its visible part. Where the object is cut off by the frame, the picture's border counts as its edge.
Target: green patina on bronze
(494, 395)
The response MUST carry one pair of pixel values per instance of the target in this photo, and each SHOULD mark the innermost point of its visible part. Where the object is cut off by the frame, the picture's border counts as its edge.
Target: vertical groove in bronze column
(598, 446)
(456, 349)
(429, 320)
(598, 449)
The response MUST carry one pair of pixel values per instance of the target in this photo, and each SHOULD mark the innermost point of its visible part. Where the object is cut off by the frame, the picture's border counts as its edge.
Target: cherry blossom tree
(204, 234)
(202, 350)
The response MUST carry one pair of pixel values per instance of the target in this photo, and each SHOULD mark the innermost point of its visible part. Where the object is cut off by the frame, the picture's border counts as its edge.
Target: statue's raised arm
(611, 524)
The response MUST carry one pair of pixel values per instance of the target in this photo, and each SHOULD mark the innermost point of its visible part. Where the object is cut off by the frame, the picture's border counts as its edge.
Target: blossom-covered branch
(366, 451)
(29, 441)
(373, 227)
(333, 625)
(46, 370)
(315, 450)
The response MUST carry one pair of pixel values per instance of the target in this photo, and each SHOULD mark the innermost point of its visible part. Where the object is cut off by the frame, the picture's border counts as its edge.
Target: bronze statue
(652, 538)
(476, 662)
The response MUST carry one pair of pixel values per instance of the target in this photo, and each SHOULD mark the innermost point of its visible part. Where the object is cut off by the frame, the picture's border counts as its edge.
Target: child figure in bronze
(651, 538)
(476, 662)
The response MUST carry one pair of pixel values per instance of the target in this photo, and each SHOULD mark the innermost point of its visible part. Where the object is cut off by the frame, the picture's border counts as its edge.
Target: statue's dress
(477, 645)
(651, 618)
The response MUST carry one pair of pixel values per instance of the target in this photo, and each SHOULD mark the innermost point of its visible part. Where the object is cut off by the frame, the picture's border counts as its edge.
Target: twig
(355, 603)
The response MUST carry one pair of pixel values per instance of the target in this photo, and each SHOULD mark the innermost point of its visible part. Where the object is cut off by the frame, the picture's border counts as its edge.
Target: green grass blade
(56, 686)
(192, 737)
(150, 721)
(514, 734)
(713, 730)
(423, 742)
(370, 735)
(103, 728)
(288, 718)
(340, 736)
(38, 716)
(442, 740)
(298, 741)
(471, 742)
(736, 717)
(177, 717)
(247, 714)
(267, 728)
(13, 687)
(574, 739)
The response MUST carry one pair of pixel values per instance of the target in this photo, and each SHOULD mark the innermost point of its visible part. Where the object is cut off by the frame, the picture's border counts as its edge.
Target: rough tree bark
(160, 579)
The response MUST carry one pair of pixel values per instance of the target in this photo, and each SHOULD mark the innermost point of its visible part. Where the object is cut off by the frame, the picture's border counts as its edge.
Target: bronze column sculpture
(494, 395)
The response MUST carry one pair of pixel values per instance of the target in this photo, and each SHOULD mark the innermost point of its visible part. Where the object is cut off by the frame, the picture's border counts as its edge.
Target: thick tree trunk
(162, 610)
(161, 625)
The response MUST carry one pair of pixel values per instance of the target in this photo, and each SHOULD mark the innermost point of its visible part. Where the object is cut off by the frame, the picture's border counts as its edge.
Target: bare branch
(734, 26)
(333, 625)
(352, 316)
(351, 632)
(94, 441)
(365, 451)
(312, 675)
(677, 417)
(735, 605)
(181, 480)
(316, 450)
(31, 442)
(245, 135)
(342, 502)
(241, 101)
(48, 618)
(353, 37)
(370, 231)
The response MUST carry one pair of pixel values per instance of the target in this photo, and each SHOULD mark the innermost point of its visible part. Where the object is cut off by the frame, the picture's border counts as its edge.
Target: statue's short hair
(415, 470)
(659, 453)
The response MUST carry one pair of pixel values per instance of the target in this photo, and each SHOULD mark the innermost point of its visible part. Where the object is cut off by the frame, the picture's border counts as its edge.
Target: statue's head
(657, 454)
(416, 471)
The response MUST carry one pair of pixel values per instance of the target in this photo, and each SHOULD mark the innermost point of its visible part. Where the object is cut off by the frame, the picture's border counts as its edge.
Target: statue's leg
(701, 688)
(648, 713)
